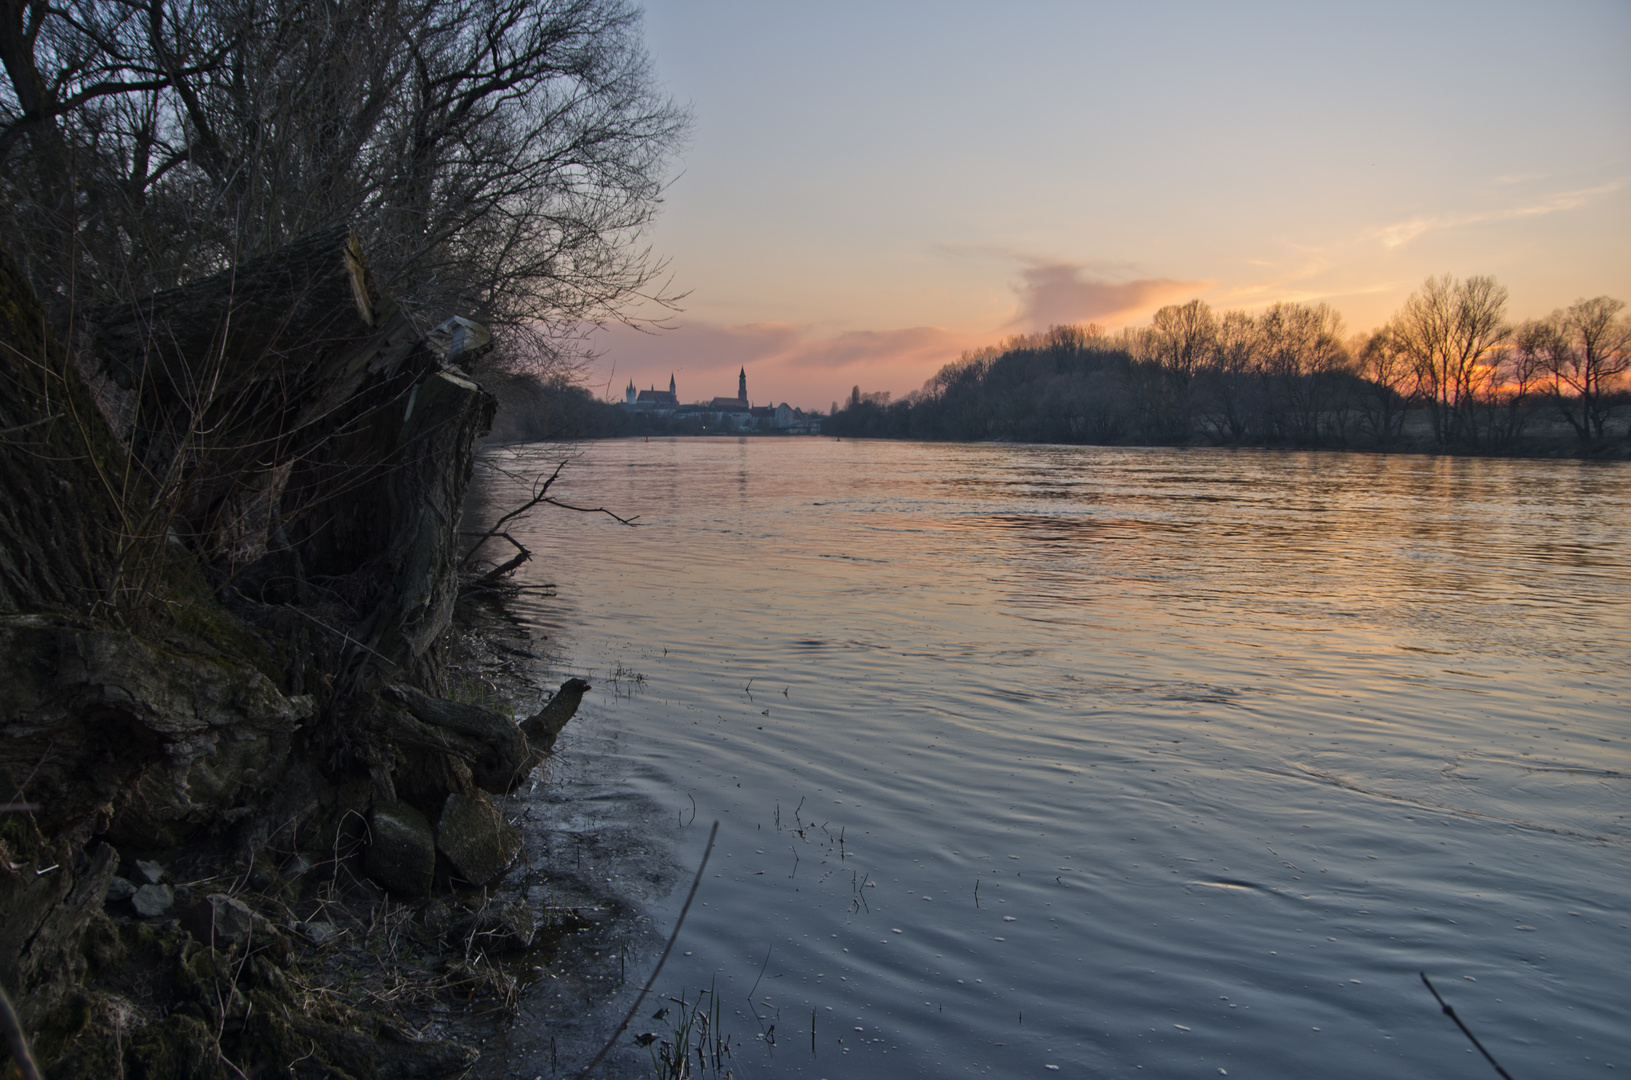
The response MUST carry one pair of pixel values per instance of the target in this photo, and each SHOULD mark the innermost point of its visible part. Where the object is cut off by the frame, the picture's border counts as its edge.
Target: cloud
(1401, 233)
(808, 366)
(1058, 293)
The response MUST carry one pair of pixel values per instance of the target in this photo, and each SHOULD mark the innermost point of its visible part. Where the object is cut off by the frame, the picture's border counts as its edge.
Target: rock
(120, 889)
(151, 869)
(152, 901)
(218, 921)
(318, 933)
(401, 849)
(476, 839)
(497, 928)
(296, 866)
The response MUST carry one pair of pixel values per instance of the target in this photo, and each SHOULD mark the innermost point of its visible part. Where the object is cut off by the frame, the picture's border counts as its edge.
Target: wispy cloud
(1058, 293)
(1400, 233)
(805, 365)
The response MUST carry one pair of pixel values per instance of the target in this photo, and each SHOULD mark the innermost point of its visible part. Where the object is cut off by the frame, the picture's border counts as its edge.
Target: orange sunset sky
(872, 188)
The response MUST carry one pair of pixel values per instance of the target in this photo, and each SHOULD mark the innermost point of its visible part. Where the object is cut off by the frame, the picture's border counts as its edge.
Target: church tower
(742, 386)
(630, 394)
(671, 386)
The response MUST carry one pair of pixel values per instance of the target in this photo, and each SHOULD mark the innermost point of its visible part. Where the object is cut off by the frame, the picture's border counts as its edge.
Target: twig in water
(661, 960)
(1448, 1011)
(540, 497)
(761, 972)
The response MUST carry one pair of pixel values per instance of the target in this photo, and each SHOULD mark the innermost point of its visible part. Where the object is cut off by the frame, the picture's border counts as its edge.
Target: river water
(1103, 762)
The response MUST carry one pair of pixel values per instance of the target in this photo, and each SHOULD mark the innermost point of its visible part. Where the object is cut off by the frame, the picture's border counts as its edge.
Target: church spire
(742, 386)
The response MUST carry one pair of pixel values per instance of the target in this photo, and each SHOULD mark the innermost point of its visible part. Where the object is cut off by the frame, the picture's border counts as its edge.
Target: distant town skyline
(871, 190)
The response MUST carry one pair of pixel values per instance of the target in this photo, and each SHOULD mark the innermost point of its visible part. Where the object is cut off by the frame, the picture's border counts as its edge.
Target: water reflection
(1192, 759)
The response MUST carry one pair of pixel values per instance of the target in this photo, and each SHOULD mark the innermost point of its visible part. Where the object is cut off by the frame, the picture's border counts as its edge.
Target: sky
(871, 189)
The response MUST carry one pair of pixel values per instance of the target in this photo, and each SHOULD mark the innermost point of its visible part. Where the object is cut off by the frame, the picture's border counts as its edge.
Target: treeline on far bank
(1447, 372)
(553, 407)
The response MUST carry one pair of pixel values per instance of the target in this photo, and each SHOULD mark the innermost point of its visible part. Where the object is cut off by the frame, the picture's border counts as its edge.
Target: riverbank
(212, 958)
(252, 779)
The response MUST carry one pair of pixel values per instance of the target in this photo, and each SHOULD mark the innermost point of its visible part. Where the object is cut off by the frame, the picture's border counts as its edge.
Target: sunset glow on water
(1129, 762)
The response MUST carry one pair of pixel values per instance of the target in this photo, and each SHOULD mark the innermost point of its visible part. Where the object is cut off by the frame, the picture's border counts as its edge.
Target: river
(1096, 761)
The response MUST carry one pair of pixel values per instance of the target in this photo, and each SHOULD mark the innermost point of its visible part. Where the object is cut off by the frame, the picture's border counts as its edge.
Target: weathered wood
(421, 504)
(224, 385)
(290, 413)
(491, 743)
(544, 726)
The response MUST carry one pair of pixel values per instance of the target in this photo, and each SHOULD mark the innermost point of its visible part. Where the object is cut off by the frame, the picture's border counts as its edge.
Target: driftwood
(543, 726)
(489, 742)
(500, 754)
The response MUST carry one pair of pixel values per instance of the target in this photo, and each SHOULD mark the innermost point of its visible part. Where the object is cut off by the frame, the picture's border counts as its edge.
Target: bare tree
(1178, 341)
(1229, 376)
(1448, 330)
(1301, 349)
(1389, 384)
(1588, 351)
(1517, 379)
(499, 158)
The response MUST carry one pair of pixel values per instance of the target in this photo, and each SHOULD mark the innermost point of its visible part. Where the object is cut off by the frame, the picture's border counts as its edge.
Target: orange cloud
(804, 366)
(1060, 293)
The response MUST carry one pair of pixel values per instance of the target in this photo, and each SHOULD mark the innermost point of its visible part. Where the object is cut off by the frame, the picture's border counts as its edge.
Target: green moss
(61, 1026)
(196, 970)
(191, 607)
(175, 1048)
(103, 946)
(81, 1040)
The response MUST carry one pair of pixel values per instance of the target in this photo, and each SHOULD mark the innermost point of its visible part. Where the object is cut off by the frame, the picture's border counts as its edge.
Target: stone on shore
(152, 901)
(218, 920)
(476, 839)
(401, 849)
